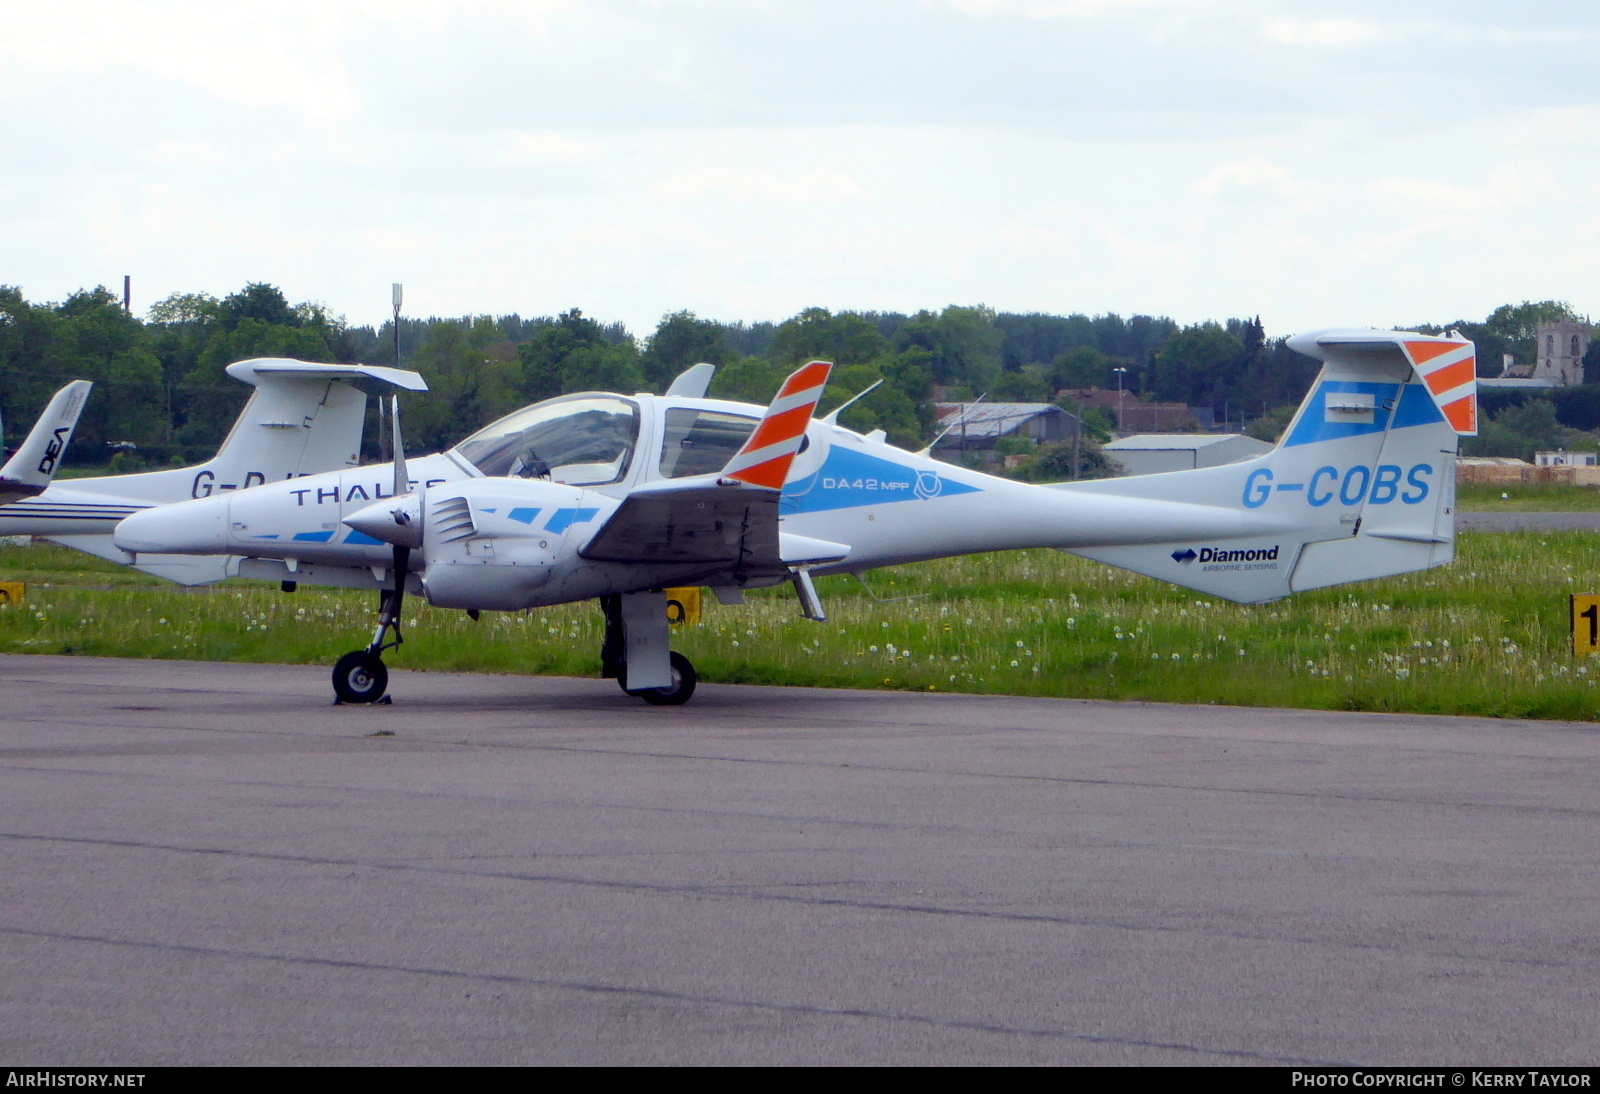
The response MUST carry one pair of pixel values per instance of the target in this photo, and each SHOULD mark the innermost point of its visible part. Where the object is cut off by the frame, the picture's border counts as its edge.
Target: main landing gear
(635, 651)
(360, 676)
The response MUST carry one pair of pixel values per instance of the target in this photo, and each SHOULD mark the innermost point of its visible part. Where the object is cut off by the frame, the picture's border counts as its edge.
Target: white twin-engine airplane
(302, 419)
(618, 498)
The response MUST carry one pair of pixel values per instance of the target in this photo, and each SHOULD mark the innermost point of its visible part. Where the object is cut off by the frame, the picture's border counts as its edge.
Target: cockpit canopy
(580, 440)
(589, 440)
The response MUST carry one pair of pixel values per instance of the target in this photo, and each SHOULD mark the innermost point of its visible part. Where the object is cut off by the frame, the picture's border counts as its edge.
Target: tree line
(162, 397)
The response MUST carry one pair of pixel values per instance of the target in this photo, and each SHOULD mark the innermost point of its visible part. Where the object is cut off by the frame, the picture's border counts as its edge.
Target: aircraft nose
(195, 527)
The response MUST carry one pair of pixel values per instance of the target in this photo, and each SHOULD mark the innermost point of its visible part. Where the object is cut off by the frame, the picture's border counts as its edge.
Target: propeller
(402, 514)
(396, 520)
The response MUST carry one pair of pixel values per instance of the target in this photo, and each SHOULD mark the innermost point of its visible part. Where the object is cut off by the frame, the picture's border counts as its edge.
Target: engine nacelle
(491, 543)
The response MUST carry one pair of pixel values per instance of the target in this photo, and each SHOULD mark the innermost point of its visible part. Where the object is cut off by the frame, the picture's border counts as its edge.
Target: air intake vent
(452, 519)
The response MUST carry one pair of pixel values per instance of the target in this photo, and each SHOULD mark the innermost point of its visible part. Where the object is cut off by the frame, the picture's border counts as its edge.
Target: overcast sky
(1347, 162)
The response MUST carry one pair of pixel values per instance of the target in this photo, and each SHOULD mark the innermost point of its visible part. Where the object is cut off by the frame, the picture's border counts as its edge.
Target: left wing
(730, 518)
(29, 471)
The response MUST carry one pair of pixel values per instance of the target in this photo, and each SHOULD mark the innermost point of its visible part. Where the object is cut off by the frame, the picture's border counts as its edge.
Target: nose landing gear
(360, 676)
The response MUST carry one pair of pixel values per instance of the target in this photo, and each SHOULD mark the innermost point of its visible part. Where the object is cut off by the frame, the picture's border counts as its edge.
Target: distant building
(1563, 458)
(1152, 453)
(1129, 415)
(1501, 470)
(977, 426)
(1559, 353)
(1558, 360)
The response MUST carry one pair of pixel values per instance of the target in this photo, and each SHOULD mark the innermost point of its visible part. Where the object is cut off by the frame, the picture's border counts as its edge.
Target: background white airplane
(302, 419)
(29, 470)
(617, 498)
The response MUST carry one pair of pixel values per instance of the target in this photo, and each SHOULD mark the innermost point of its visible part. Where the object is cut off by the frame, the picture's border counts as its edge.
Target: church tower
(1559, 353)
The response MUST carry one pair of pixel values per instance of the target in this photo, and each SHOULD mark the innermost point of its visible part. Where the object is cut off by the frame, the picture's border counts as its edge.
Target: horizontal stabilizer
(258, 368)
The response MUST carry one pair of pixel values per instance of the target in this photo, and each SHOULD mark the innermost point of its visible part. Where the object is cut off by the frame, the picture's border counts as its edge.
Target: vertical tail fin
(303, 419)
(1362, 483)
(30, 470)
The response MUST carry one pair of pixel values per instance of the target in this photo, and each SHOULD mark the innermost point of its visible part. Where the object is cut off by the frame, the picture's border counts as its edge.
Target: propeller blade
(402, 479)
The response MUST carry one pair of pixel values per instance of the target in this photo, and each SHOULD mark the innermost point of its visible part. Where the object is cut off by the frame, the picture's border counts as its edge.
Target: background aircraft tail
(34, 464)
(1362, 484)
(302, 419)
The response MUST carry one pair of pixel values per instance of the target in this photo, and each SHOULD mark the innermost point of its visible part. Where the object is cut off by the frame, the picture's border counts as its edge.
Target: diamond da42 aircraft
(621, 497)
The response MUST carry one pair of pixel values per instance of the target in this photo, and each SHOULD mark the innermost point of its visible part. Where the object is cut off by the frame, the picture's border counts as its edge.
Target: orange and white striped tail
(765, 458)
(1449, 368)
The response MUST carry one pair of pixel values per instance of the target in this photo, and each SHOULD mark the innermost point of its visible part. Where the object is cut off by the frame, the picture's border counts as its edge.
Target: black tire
(684, 679)
(360, 677)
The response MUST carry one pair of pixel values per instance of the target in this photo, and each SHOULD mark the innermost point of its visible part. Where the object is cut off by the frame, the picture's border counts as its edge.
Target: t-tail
(1362, 485)
(303, 418)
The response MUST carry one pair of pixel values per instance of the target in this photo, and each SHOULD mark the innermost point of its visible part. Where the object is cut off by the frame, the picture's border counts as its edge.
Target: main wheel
(683, 680)
(360, 677)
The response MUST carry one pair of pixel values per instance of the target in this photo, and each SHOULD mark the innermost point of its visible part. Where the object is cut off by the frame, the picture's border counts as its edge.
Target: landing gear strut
(635, 650)
(360, 676)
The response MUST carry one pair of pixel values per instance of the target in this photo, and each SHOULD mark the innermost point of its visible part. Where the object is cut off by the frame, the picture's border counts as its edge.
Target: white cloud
(745, 159)
(543, 147)
(1320, 32)
(1507, 186)
(1255, 174)
(1054, 9)
(818, 186)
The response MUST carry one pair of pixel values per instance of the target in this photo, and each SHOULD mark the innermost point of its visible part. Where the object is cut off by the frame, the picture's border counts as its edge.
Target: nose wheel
(360, 676)
(684, 679)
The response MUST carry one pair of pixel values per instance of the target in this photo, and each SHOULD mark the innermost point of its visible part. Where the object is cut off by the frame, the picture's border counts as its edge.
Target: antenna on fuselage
(959, 417)
(832, 417)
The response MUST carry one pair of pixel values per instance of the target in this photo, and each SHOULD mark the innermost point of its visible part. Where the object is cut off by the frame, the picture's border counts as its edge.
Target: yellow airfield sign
(1585, 624)
(11, 592)
(683, 605)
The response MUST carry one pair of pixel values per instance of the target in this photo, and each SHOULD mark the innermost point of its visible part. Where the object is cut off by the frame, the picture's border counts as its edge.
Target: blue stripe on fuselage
(848, 478)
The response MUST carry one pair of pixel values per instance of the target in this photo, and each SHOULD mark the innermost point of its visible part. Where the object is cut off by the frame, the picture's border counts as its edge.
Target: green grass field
(1528, 498)
(1487, 635)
